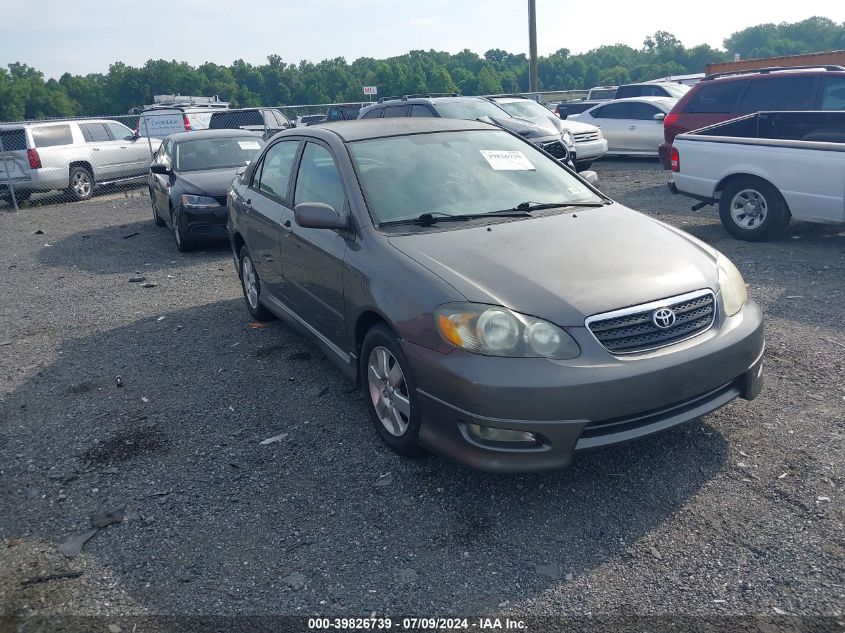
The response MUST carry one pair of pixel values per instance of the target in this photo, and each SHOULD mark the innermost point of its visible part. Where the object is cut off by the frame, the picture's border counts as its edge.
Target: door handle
(286, 225)
(96, 149)
(248, 205)
(632, 127)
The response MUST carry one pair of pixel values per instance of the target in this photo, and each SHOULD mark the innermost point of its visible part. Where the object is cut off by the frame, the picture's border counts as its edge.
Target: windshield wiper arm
(538, 206)
(427, 219)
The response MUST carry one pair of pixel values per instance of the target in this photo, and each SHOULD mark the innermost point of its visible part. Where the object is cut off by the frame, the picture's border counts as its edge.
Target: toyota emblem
(663, 318)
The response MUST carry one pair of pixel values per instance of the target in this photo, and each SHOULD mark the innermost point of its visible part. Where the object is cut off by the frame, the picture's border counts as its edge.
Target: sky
(55, 38)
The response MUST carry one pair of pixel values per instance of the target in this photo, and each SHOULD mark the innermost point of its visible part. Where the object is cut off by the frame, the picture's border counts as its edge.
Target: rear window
(779, 93)
(233, 120)
(833, 93)
(372, 114)
(52, 135)
(12, 140)
(718, 97)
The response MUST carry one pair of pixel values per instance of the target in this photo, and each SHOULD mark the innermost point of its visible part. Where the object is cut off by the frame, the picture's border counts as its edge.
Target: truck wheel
(753, 210)
(81, 183)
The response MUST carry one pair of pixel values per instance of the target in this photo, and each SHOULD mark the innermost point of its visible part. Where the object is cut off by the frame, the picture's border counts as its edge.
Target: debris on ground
(73, 546)
(119, 381)
(550, 570)
(384, 480)
(137, 280)
(148, 284)
(126, 237)
(653, 551)
(258, 325)
(275, 438)
(295, 581)
(39, 579)
(104, 519)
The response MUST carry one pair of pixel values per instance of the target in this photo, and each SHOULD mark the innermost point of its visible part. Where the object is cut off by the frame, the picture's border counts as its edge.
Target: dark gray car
(493, 306)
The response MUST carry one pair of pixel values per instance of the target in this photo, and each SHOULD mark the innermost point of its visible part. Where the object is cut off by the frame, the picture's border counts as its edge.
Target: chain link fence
(66, 160)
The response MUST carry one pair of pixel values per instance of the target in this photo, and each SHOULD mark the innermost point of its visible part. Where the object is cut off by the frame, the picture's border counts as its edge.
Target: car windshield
(677, 90)
(215, 153)
(606, 93)
(466, 172)
(469, 109)
(524, 108)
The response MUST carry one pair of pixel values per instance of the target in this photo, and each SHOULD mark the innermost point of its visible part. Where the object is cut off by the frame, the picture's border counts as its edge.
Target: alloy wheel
(748, 208)
(388, 391)
(250, 282)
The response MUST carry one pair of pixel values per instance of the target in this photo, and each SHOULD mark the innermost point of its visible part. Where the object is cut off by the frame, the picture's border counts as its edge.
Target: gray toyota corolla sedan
(494, 306)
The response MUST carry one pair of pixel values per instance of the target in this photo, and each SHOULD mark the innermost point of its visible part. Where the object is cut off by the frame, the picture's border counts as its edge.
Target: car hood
(525, 128)
(212, 182)
(566, 266)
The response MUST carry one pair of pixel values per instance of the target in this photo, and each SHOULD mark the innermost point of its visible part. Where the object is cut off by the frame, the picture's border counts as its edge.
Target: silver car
(73, 156)
(632, 127)
(493, 306)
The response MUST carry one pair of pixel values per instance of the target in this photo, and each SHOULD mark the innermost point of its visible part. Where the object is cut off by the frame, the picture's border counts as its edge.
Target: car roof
(197, 135)
(361, 129)
(654, 100)
(20, 124)
(775, 72)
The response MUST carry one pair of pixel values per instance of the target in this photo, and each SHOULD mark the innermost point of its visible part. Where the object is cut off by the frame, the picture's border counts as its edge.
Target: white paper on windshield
(249, 144)
(506, 160)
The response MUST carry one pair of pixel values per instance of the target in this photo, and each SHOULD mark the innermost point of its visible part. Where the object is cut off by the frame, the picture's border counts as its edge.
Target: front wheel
(390, 392)
(753, 210)
(81, 185)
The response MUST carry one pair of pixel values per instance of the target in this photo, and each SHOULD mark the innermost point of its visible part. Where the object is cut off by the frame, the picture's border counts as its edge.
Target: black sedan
(189, 177)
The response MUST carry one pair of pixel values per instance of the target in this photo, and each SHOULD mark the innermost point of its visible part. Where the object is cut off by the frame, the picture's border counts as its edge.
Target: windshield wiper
(538, 206)
(427, 219)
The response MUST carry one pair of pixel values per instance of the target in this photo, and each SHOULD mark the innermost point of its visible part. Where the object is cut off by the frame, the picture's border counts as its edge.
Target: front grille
(609, 426)
(633, 329)
(585, 137)
(221, 200)
(556, 149)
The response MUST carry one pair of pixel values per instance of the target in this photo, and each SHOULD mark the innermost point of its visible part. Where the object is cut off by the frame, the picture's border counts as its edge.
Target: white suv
(74, 156)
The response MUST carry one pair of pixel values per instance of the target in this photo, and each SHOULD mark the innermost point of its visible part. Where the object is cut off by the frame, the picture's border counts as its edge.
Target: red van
(720, 97)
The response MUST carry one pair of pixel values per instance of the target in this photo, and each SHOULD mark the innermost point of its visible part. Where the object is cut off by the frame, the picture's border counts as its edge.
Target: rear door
(713, 102)
(267, 215)
(104, 155)
(778, 92)
(313, 258)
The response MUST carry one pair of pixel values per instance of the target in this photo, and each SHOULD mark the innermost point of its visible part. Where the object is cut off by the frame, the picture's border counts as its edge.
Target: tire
(81, 183)
(251, 287)
(583, 165)
(390, 398)
(753, 210)
(156, 217)
(183, 244)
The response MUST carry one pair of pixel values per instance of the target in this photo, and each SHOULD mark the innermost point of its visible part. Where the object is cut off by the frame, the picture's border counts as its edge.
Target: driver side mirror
(161, 169)
(316, 215)
(591, 177)
(659, 116)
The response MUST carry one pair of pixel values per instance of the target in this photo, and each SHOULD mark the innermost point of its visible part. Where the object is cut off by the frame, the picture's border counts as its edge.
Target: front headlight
(198, 202)
(734, 290)
(497, 331)
(568, 138)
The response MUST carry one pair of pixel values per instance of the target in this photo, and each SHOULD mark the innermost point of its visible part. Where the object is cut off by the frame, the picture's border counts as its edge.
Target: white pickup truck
(764, 169)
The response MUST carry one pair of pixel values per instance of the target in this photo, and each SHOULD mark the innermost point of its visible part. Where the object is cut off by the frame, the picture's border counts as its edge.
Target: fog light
(500, 435)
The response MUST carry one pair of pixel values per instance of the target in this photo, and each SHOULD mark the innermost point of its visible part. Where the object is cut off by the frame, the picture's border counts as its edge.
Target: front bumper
(591, 150)
(204, 224)
(591, 401)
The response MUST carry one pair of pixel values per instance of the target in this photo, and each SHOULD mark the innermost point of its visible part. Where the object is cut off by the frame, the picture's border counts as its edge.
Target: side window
(119, 132)
(275, 169)
(318, 179)
(163, 153)
(421, 110)
(94, 132)
(52, 135)
(642, 111)
(373, 114)
(396, 111)
(612, 111)
(778, 93)
(833, 93)
(716, 97)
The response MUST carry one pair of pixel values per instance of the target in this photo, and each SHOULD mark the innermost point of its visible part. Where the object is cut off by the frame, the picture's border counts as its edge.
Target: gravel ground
(738, 513)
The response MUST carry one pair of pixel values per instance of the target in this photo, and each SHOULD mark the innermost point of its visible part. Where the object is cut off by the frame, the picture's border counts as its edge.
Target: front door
(266, 210)
(313, 258)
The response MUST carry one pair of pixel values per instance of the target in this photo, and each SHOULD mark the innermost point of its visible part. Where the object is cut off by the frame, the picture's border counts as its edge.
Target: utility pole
(532, 46)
